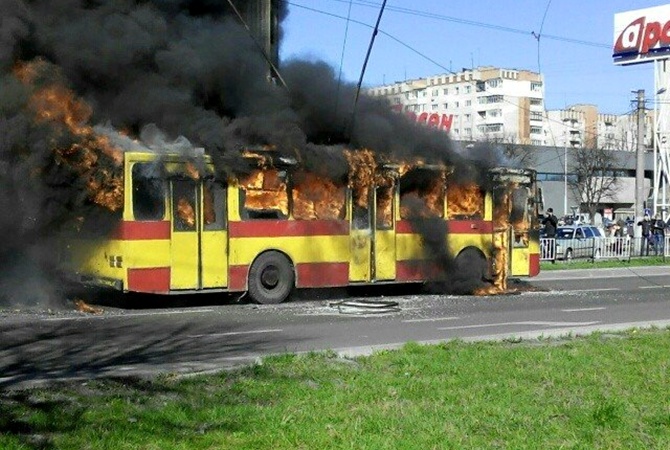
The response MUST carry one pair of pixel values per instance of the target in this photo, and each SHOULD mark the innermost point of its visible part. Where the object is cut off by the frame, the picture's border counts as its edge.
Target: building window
(446, 105)
(536, 101)
(467, 89)
(468, 103)
(535, 130)
(495, 83)
(535, 86)
(445, 91)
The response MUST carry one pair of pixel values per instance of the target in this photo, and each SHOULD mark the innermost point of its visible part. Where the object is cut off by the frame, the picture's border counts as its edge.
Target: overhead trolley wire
(426, 57)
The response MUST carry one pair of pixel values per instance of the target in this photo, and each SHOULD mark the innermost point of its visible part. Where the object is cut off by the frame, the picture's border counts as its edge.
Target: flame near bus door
(199, 238)
(373, 248)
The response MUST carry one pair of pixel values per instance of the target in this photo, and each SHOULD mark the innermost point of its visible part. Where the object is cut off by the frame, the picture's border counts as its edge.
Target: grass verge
(603, 391)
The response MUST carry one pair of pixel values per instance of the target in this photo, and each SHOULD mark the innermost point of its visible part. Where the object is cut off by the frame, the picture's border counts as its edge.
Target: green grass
(604, 391)
(605, 264)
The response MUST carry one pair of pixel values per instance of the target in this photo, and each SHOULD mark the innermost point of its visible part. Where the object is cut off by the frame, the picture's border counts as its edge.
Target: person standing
(550, 223)
(645, 223)
(658, 230)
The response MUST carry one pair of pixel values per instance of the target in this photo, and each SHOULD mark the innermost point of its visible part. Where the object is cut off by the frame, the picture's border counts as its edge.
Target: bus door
(199, 243)
(384, 245)
(185, 242)
(520, 238)
(214, 236)
(373, 245)
(360, 263)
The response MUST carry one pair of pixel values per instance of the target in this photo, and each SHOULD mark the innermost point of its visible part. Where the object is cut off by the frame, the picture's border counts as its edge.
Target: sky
(417, 39)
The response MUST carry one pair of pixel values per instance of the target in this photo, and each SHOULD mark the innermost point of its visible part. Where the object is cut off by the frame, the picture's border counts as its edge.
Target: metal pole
(565, 174)
(639, 167)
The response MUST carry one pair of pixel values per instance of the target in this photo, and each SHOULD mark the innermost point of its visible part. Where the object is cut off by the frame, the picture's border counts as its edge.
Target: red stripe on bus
(405, 226)
(416, 270)
(322, 274)
(470, 226)
(134, 230)
(154, 280)
(534, 260)
(285, 228)
(237, 280)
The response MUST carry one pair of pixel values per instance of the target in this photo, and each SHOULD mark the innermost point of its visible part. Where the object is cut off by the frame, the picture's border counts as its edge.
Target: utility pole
(565, 172)
(639, 167)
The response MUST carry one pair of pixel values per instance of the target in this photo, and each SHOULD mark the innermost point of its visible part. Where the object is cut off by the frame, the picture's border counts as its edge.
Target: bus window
(384, 212)
(183, 205)
(465, 201)
(263, 195)
(148, 193)
(317, 198)
(360, 211)
(214, 206)
(421, 194)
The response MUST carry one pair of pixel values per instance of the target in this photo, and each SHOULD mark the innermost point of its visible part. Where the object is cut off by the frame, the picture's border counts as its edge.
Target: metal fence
(604, 248)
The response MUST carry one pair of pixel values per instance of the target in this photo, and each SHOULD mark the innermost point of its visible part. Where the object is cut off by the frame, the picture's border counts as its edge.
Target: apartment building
(486, 103)
(583, 126)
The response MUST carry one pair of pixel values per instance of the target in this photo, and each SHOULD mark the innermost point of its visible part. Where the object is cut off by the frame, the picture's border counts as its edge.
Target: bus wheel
(471, 263)
(271, 278)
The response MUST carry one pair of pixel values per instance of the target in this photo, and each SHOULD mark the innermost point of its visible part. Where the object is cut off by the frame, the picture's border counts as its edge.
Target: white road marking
(655, 287)
(151, 313)
(235, 333)
(530, 322)
(432, 319)
(600, 308)
(591, 290)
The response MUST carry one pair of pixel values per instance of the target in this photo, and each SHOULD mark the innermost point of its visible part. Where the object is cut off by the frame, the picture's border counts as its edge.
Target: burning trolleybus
(278, 227)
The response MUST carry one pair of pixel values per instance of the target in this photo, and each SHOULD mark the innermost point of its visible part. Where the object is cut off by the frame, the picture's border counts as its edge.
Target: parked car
(581, 241)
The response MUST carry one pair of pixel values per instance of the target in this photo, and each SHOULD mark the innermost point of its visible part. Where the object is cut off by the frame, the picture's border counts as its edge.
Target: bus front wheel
(271, 278)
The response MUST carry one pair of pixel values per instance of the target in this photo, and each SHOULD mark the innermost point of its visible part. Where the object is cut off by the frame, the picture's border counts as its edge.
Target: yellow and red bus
(277, 227)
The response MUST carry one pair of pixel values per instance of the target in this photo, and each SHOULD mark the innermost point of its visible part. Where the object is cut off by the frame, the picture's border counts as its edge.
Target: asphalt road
(38, 346)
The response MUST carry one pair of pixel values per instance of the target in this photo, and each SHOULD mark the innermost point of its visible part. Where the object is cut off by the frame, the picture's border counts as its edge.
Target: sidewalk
(620, 272)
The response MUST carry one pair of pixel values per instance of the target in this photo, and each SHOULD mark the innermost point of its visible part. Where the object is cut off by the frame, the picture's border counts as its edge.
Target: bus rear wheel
(271, 278)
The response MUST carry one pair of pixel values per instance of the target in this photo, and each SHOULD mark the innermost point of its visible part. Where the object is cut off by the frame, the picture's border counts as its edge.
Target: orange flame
(317, 198)
(93, 157)
(465, 200)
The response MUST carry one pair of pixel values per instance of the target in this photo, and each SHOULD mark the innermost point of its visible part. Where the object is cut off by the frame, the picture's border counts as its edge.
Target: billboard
(642, 35)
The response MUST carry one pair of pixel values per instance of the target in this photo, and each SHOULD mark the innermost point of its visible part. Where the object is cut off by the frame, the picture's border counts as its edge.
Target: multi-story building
(583, 126)
(486, 103)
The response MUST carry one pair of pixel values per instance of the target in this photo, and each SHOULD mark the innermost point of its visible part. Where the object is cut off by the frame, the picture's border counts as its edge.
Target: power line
(431, 15)
(426, 57)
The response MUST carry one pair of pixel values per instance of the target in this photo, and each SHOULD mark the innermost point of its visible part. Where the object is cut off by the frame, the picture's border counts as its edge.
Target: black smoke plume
(189, 68)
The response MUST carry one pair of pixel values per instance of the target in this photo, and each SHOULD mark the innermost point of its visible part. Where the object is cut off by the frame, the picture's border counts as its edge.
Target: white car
(578, 241)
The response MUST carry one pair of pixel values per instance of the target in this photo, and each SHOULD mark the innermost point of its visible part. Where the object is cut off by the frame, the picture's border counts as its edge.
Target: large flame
(92, 157)
(317, 198)
(265, 190)
(464, 200)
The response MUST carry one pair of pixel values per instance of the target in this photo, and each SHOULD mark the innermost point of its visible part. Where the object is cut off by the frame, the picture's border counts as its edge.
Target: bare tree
(516, 155)
(593, 179)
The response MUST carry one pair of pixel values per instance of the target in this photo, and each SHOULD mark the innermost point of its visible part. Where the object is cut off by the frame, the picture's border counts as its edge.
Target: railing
(547, 249)
(601, 248)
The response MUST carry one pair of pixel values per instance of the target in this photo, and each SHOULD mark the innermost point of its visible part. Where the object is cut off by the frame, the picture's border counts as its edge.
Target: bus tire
(472, 263)
(271, 278)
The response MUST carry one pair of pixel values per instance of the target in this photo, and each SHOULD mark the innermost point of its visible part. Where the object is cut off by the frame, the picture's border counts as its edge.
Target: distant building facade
(507, 105)
(486, 103)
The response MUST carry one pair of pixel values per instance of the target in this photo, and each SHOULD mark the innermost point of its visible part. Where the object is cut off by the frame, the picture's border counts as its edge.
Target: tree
(593, 177)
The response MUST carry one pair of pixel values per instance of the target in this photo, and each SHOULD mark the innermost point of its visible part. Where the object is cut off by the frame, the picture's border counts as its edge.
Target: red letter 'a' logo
(630, 38)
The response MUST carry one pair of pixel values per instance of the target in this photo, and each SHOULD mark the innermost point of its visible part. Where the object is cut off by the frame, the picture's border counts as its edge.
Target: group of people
(653, 234)
(653, 230)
